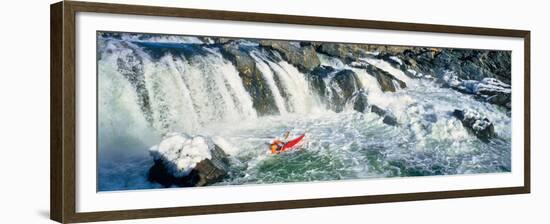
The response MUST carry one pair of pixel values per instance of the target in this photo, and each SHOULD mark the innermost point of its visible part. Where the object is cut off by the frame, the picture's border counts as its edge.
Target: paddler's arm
(286, 135)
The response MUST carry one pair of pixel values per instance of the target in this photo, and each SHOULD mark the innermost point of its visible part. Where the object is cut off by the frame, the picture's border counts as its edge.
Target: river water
(202, 94)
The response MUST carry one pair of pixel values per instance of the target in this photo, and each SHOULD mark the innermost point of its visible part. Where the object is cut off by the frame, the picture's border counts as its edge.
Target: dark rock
(473, 66)
(489, 89)
(430, 117)
(459, 114)
(130, 65)
(323, 71)
(336, 87)
(500, 98)
(212, 170)
(386, 81)
(431, 63)
(388, 117)
(253, 80)
(479, 125)
(303, 57)
(353, 52)
(205, 172)
(360, 101)
(343, 85)
(377, 110)
(159, 173)
(466, 64)
(345, 52)
(347, 81)
(495, 92)
(317, 78)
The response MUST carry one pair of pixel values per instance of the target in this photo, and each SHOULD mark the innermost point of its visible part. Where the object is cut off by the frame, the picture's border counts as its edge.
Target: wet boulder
(387, 82)
(387, 117)
(343, 85)
(346, 52)
(252, 77)
(317, 78)
(347, 82)
(360, 101)
(467, 64)
(488, 89)
(185, 161)
(303, 57)
(336, 87)
(496, 92)
(472, 64)
(476, 123)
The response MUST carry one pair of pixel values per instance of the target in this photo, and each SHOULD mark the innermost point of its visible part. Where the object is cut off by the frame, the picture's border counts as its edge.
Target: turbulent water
(150, 88)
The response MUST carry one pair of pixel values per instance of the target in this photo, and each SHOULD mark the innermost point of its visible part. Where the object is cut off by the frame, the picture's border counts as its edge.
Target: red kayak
(292, 144)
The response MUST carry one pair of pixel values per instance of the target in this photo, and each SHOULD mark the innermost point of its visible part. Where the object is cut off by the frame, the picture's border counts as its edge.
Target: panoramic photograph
(179, 111)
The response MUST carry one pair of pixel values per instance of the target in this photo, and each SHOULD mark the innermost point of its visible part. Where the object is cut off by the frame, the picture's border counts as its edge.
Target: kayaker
(278, 144)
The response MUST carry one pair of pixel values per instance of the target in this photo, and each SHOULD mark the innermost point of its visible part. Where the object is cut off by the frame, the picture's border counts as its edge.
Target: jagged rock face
(387, 82)
(343, 85)
(303, 57)
(478, 124)
(360, 101)
(467, 64)
(337, 87)
(347, 52)
(468, 67)
(353, 52)
(252, 78)
(212, 170)
(489, 89)
(346, 80)
(316, 78)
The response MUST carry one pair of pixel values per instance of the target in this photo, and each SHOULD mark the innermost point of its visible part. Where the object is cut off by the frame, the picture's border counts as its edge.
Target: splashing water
(144, 93)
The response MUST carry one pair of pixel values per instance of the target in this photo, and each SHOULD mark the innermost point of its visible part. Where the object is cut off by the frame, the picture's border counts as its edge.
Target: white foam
(118, 107)
(227, 147)
(296, 86)
(384, 65)
(181, 153)
(268, 77)
(396, 59)
(161, 39)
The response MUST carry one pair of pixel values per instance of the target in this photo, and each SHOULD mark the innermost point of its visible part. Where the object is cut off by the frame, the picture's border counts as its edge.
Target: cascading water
(294, 84)
(150, 87)
(270, 80)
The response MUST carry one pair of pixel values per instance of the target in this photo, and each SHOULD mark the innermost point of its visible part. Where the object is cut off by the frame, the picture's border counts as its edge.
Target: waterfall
(181, 93)
(367, 81)
(268, 77)
(216, 89)
(294, 84)
(230, 91)
(119, 107)
(384, 65)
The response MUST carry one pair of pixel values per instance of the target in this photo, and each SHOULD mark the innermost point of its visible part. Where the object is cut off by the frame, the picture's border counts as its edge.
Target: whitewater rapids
(198, 92)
